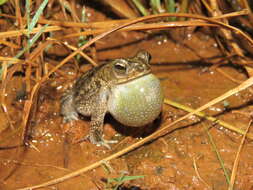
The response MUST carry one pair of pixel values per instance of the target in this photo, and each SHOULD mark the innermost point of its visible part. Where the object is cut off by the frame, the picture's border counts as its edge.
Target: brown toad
(123, 87)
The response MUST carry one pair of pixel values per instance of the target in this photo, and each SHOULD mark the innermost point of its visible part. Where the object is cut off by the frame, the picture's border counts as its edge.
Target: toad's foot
(101, 141)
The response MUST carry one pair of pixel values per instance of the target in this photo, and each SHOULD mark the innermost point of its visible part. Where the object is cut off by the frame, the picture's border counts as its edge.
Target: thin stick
(198, 174)
(113, 23)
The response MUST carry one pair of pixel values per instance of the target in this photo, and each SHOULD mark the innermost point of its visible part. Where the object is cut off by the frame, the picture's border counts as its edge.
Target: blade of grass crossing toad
(140, 7)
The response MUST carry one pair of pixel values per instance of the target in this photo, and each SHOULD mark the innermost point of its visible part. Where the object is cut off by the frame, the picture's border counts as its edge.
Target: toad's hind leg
(67, 107)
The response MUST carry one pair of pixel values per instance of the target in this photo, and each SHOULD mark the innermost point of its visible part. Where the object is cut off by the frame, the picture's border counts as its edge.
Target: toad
(123, 87)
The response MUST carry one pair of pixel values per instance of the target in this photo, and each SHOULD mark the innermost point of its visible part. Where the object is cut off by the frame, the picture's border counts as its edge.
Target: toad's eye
(120, 67)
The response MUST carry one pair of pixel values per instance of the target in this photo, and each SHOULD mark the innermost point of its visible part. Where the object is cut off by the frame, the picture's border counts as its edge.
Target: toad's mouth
(131, 78)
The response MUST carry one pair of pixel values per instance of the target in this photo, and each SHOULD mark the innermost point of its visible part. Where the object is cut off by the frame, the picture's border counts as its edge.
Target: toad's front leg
(97, 120)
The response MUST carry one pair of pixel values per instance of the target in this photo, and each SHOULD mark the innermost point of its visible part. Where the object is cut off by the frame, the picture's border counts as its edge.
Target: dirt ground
(182, 159)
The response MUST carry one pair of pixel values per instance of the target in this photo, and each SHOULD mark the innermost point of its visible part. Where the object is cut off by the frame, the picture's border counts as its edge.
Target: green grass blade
(32, 41)
(3, 1)
(218, 156)
(184, 8)
(170, 7)
(37, 15)
(156, 6)
(126, 178)
(140, 7)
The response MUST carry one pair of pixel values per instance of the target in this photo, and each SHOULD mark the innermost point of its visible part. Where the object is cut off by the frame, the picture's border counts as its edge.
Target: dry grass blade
(32, 164)
(18, 14)
(3, 92)
(16, 33)
(164, 25)
(100, 27)
(114, 23)
(85, 56)
(228, 76)
(236, 163)
(10, 44)
(91, 25)
(226, 34)
(158, 26)
(198, 174)
(10, 59)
